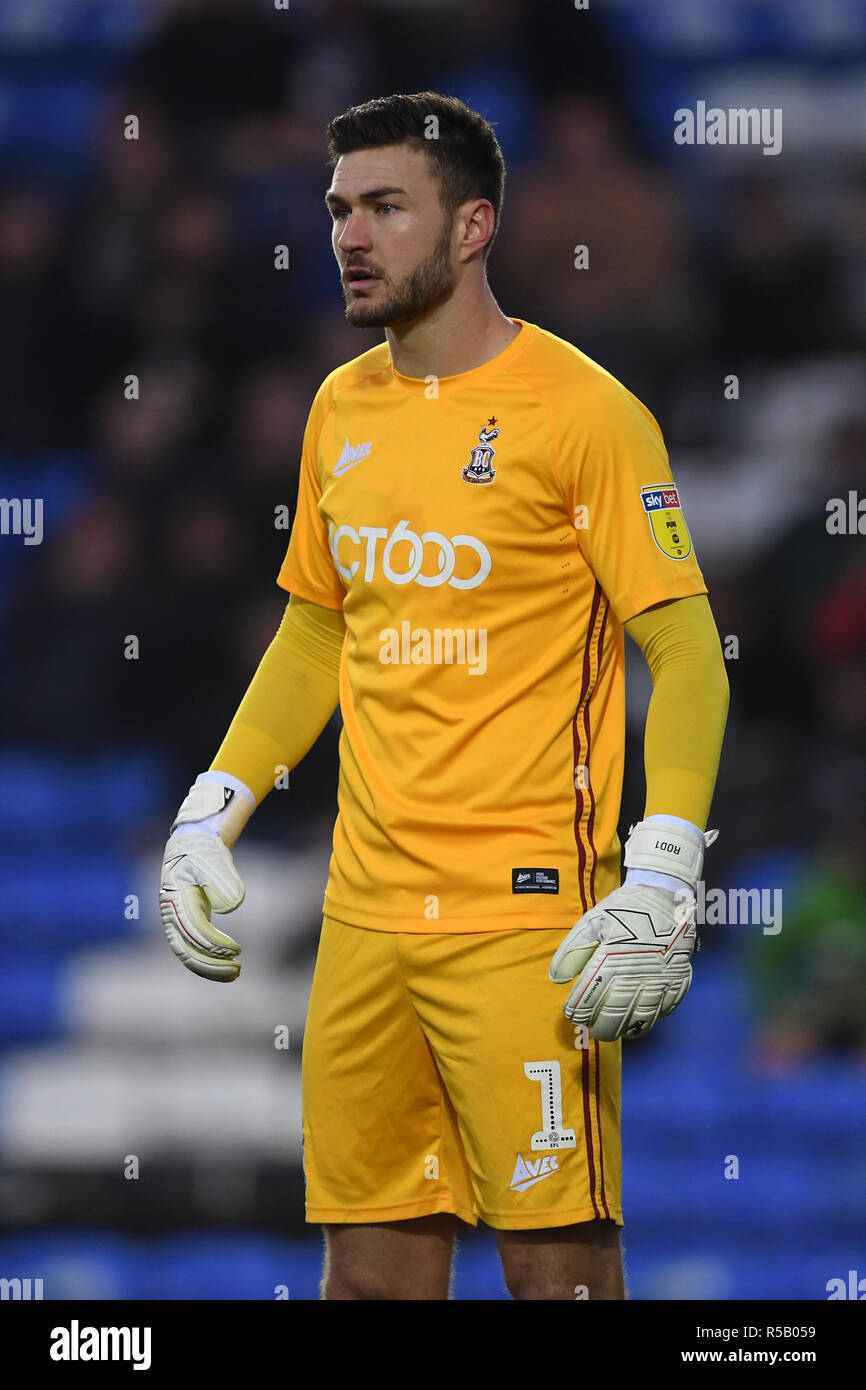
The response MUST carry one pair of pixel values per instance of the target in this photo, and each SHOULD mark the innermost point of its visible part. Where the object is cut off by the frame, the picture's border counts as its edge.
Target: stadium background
(155, 257)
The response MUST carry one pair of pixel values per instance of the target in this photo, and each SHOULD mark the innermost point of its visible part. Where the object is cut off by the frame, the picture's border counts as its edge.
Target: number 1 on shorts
(554, 1136)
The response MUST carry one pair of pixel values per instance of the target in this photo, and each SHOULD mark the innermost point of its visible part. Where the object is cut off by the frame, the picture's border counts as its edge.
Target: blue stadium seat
(47, 120)
(30, 999)
(102, 24)
(61, 482)
(105, 25)
(237, 1266)
(477, 1270)
(42, 796)
(66, 899)
(80, 1264)
(820, 1101)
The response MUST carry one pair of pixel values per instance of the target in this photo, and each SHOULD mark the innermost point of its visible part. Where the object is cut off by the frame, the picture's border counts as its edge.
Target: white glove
(631, 952)
(198, 873)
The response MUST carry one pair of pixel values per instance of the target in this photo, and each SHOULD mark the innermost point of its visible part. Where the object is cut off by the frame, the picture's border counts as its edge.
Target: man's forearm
(289, 701)
(688, 709)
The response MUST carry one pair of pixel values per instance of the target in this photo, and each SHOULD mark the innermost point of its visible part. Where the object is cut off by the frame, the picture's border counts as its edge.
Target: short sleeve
(624, 504)
(308, 569)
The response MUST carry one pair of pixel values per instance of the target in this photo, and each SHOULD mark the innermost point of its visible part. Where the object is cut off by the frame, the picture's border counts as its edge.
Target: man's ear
(479, 222)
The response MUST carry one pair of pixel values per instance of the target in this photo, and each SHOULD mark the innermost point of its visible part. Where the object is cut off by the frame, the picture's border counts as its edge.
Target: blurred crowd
(160, 267)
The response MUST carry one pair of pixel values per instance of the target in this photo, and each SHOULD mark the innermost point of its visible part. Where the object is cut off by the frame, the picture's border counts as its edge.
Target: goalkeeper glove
(198, 874)
(630, 953)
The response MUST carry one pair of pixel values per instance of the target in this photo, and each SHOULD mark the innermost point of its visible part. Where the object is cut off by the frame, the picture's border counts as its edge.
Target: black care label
(535, 880)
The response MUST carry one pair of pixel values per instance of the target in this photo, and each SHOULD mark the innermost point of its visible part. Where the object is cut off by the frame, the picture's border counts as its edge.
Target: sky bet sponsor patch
(668, 525)
(535, 880)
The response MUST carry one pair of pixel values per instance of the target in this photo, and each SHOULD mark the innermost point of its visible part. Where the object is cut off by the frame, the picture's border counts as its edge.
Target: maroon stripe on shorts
(598, 1122)
(587, 1127)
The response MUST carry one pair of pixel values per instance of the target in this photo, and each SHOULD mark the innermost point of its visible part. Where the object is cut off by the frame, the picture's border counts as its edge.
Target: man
(482, 511)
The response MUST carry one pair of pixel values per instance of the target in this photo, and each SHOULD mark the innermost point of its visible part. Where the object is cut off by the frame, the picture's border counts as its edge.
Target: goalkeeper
(463, 565)
(630, 952)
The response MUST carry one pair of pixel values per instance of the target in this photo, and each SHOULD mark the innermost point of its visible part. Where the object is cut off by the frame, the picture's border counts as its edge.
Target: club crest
(478, 469)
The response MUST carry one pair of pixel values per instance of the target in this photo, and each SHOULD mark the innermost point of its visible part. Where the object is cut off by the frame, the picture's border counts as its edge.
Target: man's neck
(465, 332)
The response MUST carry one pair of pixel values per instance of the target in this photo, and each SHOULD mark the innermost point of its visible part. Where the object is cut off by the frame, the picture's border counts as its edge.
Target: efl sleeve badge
(668, 525)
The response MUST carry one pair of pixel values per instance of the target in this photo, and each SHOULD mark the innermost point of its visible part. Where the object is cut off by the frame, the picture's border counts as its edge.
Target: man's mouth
(360, 279)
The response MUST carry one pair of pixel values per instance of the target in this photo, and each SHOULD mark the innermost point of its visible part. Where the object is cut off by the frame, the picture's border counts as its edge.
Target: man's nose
(354, 235)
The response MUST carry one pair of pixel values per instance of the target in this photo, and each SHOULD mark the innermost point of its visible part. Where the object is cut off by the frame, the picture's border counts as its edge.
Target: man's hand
(198, 874)
(630, 953)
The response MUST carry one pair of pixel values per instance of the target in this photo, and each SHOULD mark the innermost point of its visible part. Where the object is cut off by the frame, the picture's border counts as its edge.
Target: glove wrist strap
(217, 803)
(665, 848)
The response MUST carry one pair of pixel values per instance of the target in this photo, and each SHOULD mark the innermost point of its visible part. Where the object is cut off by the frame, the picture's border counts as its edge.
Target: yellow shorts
(440, 1074)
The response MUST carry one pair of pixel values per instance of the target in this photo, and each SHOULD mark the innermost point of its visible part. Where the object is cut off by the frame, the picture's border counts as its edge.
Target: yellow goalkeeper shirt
(486, 536)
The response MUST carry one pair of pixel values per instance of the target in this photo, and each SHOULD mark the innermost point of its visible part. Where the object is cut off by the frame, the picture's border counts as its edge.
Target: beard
(430, 284)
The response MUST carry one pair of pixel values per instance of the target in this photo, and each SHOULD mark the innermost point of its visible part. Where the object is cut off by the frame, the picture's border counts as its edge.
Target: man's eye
(339, 213)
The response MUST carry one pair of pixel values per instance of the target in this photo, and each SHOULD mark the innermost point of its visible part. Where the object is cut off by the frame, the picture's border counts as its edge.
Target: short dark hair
(466, 157)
